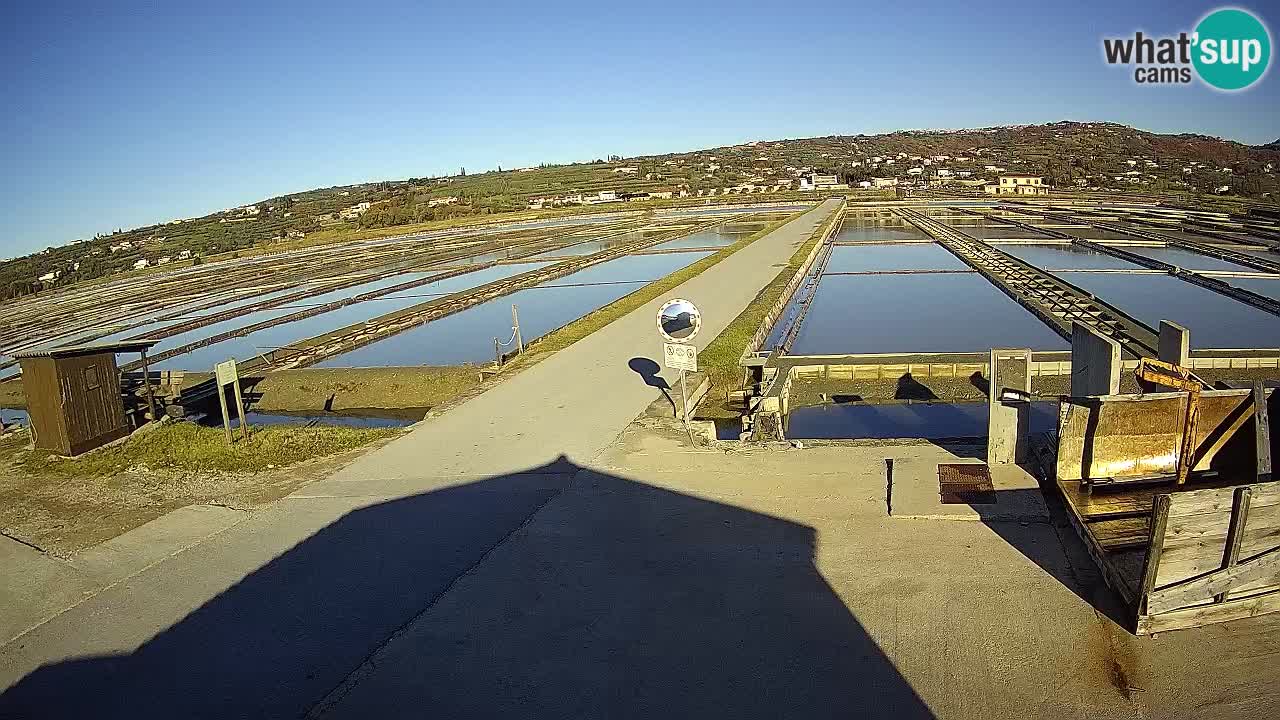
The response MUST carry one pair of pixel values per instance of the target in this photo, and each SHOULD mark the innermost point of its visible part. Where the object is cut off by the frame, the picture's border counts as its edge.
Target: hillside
(1070, 154)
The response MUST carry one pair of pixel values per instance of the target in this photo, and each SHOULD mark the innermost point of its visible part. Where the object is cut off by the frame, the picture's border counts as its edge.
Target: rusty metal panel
(1122, 436)
(965, 483)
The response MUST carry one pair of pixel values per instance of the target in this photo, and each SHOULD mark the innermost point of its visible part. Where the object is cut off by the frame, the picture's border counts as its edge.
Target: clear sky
(124, 114)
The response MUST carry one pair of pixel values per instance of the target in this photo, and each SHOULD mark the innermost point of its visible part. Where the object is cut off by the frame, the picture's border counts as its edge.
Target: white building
(1017, 184)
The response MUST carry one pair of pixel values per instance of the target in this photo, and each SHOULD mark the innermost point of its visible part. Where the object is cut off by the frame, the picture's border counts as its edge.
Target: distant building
(1016, 184)
(884, 182)
(141, 264)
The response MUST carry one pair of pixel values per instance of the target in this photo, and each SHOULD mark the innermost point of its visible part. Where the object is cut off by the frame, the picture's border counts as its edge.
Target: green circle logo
(1232, 49)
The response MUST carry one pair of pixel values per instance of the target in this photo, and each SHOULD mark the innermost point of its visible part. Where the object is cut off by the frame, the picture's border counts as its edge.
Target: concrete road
(669, 582)
(577, 401)
(266, 617)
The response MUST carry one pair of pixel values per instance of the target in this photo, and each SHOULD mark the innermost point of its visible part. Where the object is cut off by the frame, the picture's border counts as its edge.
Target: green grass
(188, 446)
(720, 358)
(593, 321)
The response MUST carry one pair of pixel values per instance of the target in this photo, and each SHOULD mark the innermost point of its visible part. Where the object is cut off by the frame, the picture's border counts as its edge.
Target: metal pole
(515, 326)
(146, 382)
(497, 352)
(684, 408)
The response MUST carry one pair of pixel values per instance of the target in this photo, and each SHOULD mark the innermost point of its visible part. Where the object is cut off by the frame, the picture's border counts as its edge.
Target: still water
(959, 312)
(267, 339)
(1215, 321)
(892, 256)
(1186, 259)
(879, 233)
(998, 232)
(467, 336)
(1266, 287)
(711, 237)
(1066, 257)
(928, 420)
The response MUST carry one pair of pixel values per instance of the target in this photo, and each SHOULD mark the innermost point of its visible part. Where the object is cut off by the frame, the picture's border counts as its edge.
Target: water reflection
(927, 420)
(1216, 321)
(467, 336)
(1067, 257)
(1187, 259)
(892, 256)
(916, 313)
(267, 339)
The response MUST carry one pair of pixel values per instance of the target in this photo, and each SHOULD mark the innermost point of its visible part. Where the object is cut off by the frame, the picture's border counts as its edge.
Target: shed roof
(55, 351)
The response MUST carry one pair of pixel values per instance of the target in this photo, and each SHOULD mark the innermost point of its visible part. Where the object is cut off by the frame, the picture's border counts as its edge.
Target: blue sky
(122, 114)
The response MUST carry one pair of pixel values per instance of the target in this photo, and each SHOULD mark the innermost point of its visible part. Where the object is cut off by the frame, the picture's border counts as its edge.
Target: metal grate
(965, 484)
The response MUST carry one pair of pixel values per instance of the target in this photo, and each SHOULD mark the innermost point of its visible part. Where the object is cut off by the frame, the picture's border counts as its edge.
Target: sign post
(225, 374)
(679, 322)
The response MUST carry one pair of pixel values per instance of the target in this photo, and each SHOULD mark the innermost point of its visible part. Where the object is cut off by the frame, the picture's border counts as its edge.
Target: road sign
(679, 320)
(226, 372)
(680, 357)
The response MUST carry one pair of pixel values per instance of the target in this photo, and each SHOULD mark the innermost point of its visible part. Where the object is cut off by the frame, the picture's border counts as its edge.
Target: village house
(1018, 184)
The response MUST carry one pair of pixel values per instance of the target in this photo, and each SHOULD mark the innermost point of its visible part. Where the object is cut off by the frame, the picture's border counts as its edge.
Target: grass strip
(192, 447)
(719, 360)
(596, 319)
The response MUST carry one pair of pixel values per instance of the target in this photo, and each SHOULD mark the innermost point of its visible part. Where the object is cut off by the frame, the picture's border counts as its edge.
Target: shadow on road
(619, 600)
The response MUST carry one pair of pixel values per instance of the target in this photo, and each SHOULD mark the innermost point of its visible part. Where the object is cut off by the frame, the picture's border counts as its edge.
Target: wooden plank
(1235, 534)
(1151, 566)
(1131, 502)
(1119, 533)
(1234, 609)
(1201, 550)
(1221, 500)
(1111, 575)
(1200, 587)
(1262, 431)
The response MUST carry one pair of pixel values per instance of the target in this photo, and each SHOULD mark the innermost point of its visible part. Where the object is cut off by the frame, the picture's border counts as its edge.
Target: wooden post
(244, 424)
(226, 419)
(515, 326)
(1262, 431)
(146, 382)
(1235, 533)
(1155, 545)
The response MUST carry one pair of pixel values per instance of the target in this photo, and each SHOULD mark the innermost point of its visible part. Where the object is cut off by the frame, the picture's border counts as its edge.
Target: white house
(141, 264)
(1017, 184)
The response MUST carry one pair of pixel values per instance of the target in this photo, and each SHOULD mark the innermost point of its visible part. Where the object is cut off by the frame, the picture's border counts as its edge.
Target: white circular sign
(679, 320)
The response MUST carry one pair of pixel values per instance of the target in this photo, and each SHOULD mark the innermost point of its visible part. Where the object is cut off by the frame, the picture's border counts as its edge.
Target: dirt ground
(64, 515)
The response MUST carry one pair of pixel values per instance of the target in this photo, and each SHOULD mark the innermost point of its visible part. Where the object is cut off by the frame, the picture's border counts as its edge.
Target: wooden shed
(73, 394)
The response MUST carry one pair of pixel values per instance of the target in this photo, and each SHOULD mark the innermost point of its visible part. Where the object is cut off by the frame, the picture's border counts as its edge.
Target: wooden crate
(1179, 556)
